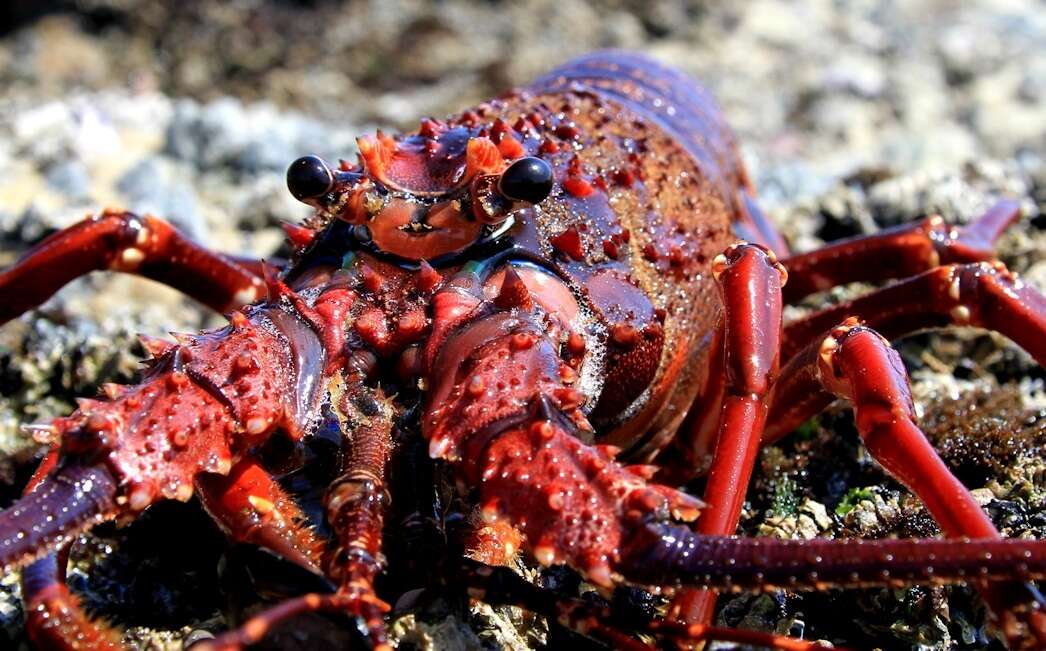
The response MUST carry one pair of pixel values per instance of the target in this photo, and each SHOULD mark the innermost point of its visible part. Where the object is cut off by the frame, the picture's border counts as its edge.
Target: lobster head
(427, 195)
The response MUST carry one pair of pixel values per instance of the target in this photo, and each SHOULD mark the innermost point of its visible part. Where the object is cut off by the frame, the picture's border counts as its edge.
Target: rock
(225, 134)
(148, 188)
(70, 178)
(810, 520)
(982, 495)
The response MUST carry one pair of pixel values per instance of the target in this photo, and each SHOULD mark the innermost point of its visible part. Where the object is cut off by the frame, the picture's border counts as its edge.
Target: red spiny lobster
(553, 280)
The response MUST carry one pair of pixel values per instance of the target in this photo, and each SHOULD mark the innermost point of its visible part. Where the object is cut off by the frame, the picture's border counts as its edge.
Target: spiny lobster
(554, 282)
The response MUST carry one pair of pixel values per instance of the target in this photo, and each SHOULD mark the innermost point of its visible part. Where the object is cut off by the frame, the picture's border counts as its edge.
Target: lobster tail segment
(666, 554)
(70, 500)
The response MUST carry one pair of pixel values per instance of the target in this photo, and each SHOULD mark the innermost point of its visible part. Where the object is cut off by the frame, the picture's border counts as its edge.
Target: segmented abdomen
(667, 97)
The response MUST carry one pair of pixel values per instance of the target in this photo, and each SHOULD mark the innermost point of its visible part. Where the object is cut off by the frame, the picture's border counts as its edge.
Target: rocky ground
(853, 116)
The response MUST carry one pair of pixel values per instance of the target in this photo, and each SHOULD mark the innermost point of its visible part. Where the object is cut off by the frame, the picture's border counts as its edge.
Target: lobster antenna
(69, 501)
(671, 554)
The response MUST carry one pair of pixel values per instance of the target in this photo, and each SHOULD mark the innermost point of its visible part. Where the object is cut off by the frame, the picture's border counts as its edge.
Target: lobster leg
(750, 281)
(898, 252)
(356, 504)
(54, 617)
(235, 379)
(355, 508)
(247, 503)
(251, 507)
(123, 241)
(76, 495)
(985, 295)
(960, 291)
(856, 363)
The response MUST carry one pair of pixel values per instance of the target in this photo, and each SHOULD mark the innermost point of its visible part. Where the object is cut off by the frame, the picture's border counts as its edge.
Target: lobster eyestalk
(666, 554)
(68, 501)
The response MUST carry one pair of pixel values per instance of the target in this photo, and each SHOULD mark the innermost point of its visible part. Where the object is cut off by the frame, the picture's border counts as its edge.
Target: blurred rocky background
(852, 114)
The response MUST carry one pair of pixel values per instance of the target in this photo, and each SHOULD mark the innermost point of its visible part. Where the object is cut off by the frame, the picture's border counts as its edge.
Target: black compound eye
(309, 177)
(528, 179)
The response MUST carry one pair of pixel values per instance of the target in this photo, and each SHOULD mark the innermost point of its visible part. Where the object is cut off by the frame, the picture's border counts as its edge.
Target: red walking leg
(251, 507)
(750, 281)
(54, 616)
(355, 504)
(898, 252)
(856, 363)
(122, 241)
(980, 294)
(985, 295)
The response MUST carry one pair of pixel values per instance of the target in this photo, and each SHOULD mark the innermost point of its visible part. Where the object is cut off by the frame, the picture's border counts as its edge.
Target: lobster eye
(528, 179)
(309, 177)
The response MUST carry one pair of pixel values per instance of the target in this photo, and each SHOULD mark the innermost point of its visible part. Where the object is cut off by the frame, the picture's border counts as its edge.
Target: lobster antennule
(670, 554)
(65, 503)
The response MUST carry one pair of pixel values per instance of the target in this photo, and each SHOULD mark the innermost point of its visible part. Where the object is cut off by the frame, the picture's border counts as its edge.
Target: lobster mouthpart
(416, 232)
